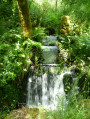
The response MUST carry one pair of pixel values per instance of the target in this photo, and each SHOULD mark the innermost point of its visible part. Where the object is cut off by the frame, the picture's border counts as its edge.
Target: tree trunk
(25, 18)
(56, 4)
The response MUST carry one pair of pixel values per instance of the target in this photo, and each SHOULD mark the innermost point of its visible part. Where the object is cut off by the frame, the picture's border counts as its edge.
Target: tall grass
(74, 110)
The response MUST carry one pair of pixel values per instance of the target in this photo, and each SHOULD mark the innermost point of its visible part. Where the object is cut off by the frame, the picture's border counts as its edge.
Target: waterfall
(48, 86)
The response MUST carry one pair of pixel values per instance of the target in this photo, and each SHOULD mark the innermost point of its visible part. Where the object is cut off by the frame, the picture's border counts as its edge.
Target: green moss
(24, 113)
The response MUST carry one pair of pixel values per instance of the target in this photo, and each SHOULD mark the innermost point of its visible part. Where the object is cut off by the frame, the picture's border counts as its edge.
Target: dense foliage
(17, 53)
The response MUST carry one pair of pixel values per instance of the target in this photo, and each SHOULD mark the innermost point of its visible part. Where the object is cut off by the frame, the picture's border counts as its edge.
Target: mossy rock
(66, 26)
(28, 113)
(23, 113)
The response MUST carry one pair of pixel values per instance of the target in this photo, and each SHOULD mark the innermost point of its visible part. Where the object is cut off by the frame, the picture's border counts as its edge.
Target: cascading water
(47, 86)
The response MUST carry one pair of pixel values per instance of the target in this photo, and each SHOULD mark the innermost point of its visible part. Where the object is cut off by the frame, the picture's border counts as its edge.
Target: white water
(47, 88)
(50, 54)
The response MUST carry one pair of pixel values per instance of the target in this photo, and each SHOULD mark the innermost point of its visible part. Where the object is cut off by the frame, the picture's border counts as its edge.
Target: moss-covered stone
(66, 26)
(24, 113)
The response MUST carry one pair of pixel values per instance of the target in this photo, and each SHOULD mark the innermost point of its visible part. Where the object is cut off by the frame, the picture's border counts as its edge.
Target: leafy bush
(33, 51)
(10, 69)
(10, 52)
(76, 50)
(5, 12)
(9, 16)
(78, 46)
(35, 13)
(44, 15)
(38, 33)
(78, 11)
